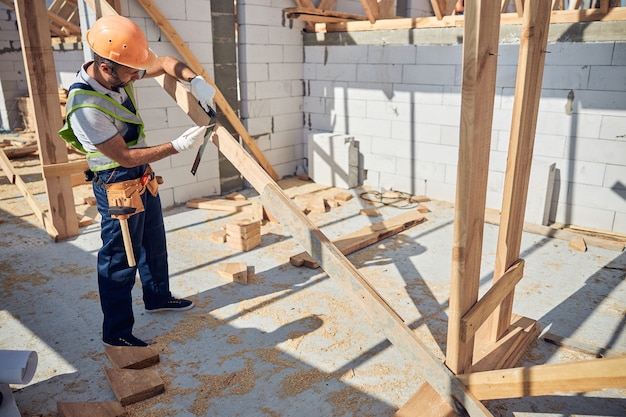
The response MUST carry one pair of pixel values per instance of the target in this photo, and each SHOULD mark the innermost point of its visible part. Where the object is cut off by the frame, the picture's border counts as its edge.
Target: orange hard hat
(119, 39)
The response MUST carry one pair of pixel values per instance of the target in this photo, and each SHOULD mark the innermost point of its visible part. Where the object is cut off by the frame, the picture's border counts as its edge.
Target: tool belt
(127, 194)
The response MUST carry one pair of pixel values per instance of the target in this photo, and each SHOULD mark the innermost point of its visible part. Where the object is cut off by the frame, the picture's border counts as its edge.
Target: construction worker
(103, 122)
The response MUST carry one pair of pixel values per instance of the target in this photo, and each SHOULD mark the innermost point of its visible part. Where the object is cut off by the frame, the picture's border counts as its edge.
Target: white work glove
(191, 139)
(203, 91)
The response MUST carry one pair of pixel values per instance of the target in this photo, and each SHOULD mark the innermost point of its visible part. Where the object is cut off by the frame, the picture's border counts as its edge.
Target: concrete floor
(290, 343)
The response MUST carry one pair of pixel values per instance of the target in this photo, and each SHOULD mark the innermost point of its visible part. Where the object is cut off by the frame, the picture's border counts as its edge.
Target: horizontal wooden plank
(65, 168)
(571, 377)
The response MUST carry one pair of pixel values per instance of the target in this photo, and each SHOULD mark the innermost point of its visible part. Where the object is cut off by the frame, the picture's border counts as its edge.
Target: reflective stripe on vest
(82, 95)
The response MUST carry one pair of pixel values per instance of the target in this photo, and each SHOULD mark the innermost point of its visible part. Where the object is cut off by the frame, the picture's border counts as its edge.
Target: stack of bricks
(243, 235)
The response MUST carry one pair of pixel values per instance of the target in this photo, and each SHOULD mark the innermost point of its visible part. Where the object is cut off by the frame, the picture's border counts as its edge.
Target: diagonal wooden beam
(564, 378)
(14, 178)
(532, 55)
(379, 312)
(371, 10)
(442, 8)
(66, 26)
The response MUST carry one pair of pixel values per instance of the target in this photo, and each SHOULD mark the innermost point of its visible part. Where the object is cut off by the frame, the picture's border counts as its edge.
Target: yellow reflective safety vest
(83, 95)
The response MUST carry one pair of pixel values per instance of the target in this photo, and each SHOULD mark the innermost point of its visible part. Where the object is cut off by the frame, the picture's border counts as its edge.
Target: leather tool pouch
(126, 194)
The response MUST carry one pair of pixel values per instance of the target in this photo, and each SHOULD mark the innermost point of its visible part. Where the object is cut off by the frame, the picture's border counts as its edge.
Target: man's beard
(116, 82)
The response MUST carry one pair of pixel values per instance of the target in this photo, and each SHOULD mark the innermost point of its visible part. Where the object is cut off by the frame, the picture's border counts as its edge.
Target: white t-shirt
(92, 126)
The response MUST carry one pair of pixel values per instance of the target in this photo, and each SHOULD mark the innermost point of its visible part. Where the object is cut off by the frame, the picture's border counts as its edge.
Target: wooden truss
(457, 388)
(379, 15)
(63, 18)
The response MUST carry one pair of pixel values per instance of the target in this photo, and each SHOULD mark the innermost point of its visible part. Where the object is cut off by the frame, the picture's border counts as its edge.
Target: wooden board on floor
(91, 409)
(134, 385)
(132, 357)
(366, 236)
(426, 402)
(218, 204)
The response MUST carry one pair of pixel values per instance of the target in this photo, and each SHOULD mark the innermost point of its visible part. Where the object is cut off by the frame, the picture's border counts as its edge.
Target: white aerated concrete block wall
(271, 76)
(163, 118)
(401, 102)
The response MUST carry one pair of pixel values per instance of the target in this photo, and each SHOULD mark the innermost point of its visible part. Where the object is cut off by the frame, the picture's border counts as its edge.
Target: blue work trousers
(115, 277)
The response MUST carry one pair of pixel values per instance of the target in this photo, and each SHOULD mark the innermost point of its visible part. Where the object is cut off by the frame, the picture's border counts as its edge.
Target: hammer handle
(128, 244)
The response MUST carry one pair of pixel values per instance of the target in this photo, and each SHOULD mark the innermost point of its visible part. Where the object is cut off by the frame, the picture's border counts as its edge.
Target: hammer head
(121, 210)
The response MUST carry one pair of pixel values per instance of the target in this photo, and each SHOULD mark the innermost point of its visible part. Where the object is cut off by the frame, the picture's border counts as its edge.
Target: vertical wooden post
(480, 50)
(532, 52)
(34, 29)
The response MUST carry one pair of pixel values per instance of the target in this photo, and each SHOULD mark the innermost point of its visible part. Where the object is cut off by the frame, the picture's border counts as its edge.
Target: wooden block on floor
(134, 385)
(426, 402)
(317, 204)
(269, 216)
(343, 196)
(218, 237)
(235, 271)
(90, 201)
(250, 274)
(84, 221)
(131, 357)
(419, 199)
(236, 196)
(371, 212)
(229, 206)
(257, 211)
(243, 229)
(331, 203)
(91, 409)
(244, 245)
(578, 243)
(423, 209)
(304, 259)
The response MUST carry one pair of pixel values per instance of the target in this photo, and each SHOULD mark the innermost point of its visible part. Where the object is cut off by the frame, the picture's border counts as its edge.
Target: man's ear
(104, 69)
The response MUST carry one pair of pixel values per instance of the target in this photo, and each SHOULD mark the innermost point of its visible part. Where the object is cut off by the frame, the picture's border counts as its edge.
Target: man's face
(121, 76)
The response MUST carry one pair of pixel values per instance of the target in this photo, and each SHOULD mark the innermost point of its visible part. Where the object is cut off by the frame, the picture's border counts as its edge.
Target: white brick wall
(271, 76)
(408, 127)
(12, 74)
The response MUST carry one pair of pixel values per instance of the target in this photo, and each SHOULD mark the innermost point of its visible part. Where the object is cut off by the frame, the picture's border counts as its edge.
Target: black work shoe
(173, 304)
(129, 340)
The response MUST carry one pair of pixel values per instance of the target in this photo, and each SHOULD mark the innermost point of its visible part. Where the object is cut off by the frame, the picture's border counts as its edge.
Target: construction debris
(236, 272)
(578, 243)
(365, 237)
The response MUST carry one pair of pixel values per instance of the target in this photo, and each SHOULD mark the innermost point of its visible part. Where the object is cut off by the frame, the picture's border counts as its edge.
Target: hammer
(123, 213)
